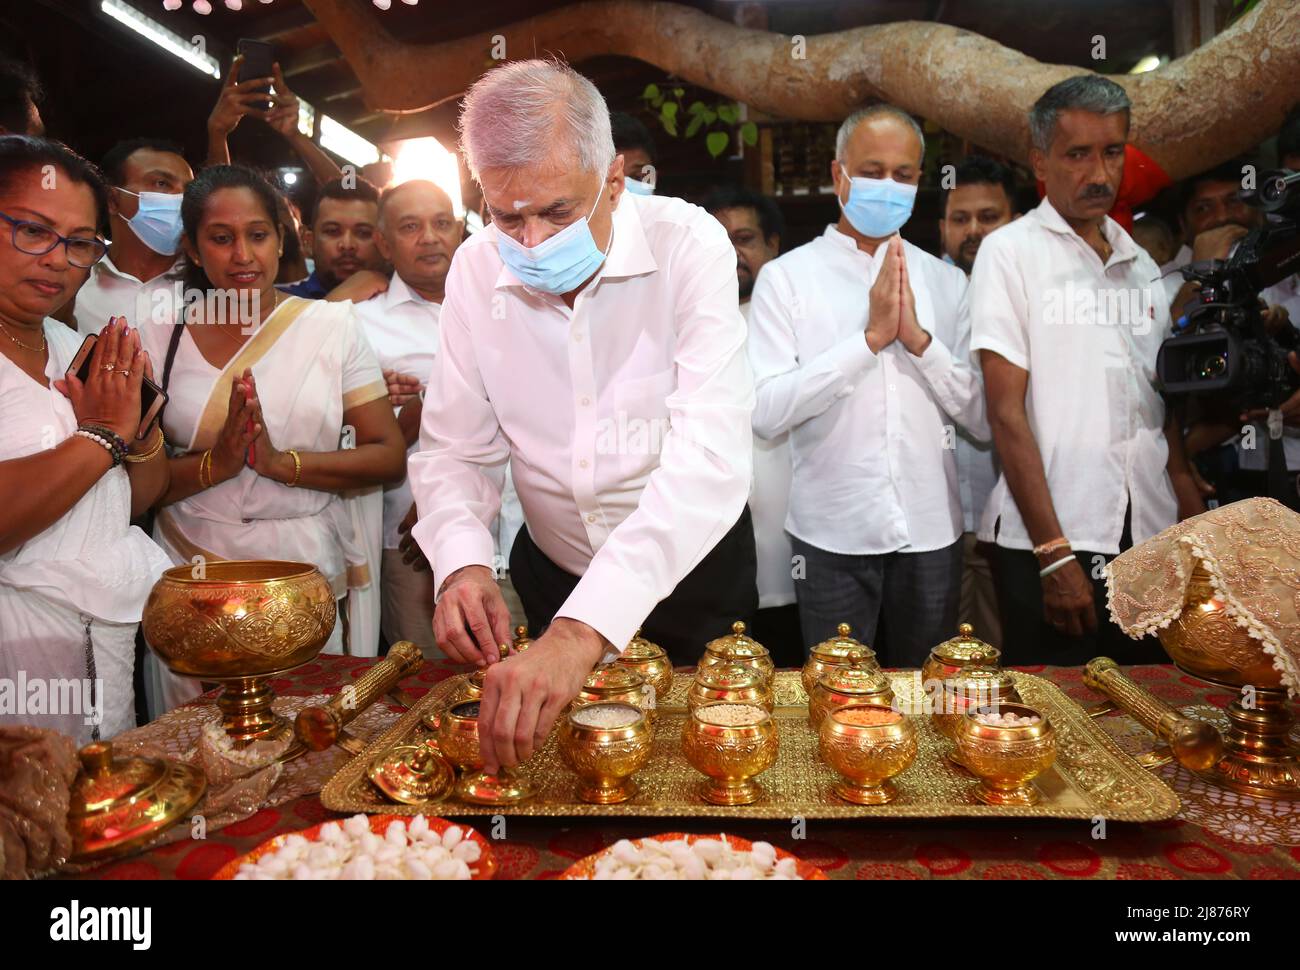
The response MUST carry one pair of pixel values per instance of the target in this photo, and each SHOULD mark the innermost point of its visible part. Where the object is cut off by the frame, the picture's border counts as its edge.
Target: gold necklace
(37, 350)
(275, 302)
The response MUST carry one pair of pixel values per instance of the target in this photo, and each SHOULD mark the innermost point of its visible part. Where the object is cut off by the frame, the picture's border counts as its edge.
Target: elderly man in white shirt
(852, 340)
(1068, 315)
(591, 338)
(146, 177)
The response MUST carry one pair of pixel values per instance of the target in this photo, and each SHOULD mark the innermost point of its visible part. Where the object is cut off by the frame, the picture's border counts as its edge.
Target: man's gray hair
(1085, 92)
(520, 114)
(866, 114)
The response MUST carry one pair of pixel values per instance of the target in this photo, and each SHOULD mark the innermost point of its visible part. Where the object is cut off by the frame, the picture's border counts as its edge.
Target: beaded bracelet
(111, 440)
(1055, 544)
(102, 442)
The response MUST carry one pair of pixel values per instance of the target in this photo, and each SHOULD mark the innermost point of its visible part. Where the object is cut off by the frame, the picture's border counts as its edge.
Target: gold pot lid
(729, 677)
(639, 649)
(841, 648)
(413, 774)
(522, 640)
(854, 679)
(479, 676)
(119, 805)
(612, 679)
(973, 679)
(966, 648)
(737, 645)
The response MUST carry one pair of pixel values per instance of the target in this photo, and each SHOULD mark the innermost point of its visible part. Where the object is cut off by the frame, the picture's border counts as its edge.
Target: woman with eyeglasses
(277, 406)
(74, 572)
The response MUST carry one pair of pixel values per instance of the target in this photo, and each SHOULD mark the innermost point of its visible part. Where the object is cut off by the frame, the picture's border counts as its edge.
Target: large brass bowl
(240, 618)
(240, 623)
(730, 755)
(1258, 757)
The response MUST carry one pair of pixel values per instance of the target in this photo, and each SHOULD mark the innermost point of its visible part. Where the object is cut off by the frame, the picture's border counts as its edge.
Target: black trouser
(1027, 637)
(717, 592)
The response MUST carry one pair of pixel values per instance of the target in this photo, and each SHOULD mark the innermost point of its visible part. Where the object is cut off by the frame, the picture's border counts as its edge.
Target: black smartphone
(152, 397)
(259, 61)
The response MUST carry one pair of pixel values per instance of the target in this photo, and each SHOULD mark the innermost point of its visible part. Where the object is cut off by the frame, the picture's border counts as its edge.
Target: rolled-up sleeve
(458, 473)
(702, 483)
(999, 308)
(790, 391)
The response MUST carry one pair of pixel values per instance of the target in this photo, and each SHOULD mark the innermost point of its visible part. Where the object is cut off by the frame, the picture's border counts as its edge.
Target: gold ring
(108, 366)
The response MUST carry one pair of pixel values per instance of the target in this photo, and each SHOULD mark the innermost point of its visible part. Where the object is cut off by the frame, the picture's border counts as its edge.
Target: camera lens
(1215, 365)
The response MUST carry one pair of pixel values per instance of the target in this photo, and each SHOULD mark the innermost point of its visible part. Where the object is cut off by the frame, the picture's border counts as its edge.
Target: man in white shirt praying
(592, 338)
(137, 278)
(851, 339)
(1068, 315)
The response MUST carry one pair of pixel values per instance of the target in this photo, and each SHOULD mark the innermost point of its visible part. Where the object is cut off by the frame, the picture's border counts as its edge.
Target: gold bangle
(136, 459)
(297, 468)
(205, 461)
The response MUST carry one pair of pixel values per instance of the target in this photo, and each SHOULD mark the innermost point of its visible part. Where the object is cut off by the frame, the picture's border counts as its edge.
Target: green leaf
(651, 92)
(716, 142)
(694, 126)
(670, 125)
(749, 133)
(710, 116)
(669, 110)
(697, 107)
(729, 113)
(679, 92)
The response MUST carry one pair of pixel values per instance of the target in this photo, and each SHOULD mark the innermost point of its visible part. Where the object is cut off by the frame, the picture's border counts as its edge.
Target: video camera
(1222, 345)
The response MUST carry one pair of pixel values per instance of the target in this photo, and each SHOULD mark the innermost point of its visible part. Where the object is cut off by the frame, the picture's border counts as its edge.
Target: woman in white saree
(74, 572)
(276, 404)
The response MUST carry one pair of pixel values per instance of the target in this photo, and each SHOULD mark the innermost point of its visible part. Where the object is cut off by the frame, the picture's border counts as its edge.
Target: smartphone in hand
(259, 61)
(152, 397)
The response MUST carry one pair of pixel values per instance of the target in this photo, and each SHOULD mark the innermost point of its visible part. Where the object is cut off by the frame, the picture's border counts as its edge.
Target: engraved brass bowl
(962, 652)
(651, 662)
(739, 648)
(240, 623)
(975, 687)
(729, 682)
(614, 684)
(867, 756)
(840, 650)
(458, 742)
(1206, 642)
(730, 755)
(841, 686)
(605, 758)
(1006, 759)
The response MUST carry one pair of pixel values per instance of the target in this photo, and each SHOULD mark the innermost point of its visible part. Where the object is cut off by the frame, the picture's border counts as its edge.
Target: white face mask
(558, 264)
(157, 221)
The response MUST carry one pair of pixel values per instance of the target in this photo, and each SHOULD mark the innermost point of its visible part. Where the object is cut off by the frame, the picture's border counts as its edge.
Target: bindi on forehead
(521, 204)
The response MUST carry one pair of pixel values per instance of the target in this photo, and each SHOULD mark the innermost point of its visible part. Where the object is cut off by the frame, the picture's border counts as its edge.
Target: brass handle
(319, 726)
(1196, 744)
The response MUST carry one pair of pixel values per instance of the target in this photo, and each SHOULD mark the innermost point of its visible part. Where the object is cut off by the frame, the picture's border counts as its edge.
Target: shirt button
(591, 517)
(585, 401)
(578, 336)
(893, 387)
(583, 463)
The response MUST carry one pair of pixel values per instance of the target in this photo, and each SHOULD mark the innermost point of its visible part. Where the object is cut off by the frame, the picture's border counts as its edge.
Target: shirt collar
(629, 251)
(1123, 248)
(106, 265)
(846, 242)
(400, 292)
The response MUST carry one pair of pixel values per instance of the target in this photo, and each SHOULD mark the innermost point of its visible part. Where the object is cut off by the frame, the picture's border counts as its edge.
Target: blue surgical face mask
(637, 187)
(558, 264)
(157, 221)
(878, 207)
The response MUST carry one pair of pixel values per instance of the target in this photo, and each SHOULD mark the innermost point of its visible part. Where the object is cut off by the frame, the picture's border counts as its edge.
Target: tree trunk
(1210, 105)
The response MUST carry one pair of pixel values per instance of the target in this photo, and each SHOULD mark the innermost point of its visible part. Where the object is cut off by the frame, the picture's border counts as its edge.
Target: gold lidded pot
(840, 650)
(606, 756)
(867, 745)
(963, 651)
(730, 751)
(120, 805)
(739, 648)
(412, 774)
(459, 743)
(730, 682)
(615, 684)
(651, 662)
(1004, 757)
(841, 686)
(974, 687)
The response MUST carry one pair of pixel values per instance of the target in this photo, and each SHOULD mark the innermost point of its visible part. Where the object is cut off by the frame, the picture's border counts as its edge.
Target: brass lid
(737, 645)
(639, 648)
(973, 679)
(966, 648)
(413, 774)
(612, 679)
(841, 648)
(120, 805)
(522, 640)
(854, 679)
(479, 676)
(729, 677)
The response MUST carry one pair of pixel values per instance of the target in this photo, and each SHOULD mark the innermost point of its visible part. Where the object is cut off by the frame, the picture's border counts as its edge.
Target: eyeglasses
(36, 239)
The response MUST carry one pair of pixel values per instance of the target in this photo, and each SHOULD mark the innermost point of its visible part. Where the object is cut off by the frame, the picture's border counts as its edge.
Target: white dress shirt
(625, 419)
(769, 504)
(1088, 336)
(109, 292)
(1173, 282)
(402, 327)
(874, 462)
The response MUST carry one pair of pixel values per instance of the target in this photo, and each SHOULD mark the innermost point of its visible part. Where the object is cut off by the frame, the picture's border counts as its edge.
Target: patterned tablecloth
(1218, 834)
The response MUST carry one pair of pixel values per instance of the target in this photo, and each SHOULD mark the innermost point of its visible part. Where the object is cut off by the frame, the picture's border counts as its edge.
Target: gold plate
(1092, 777)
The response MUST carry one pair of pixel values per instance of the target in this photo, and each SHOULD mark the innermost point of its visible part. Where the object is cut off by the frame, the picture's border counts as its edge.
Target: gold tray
(1092, 777)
